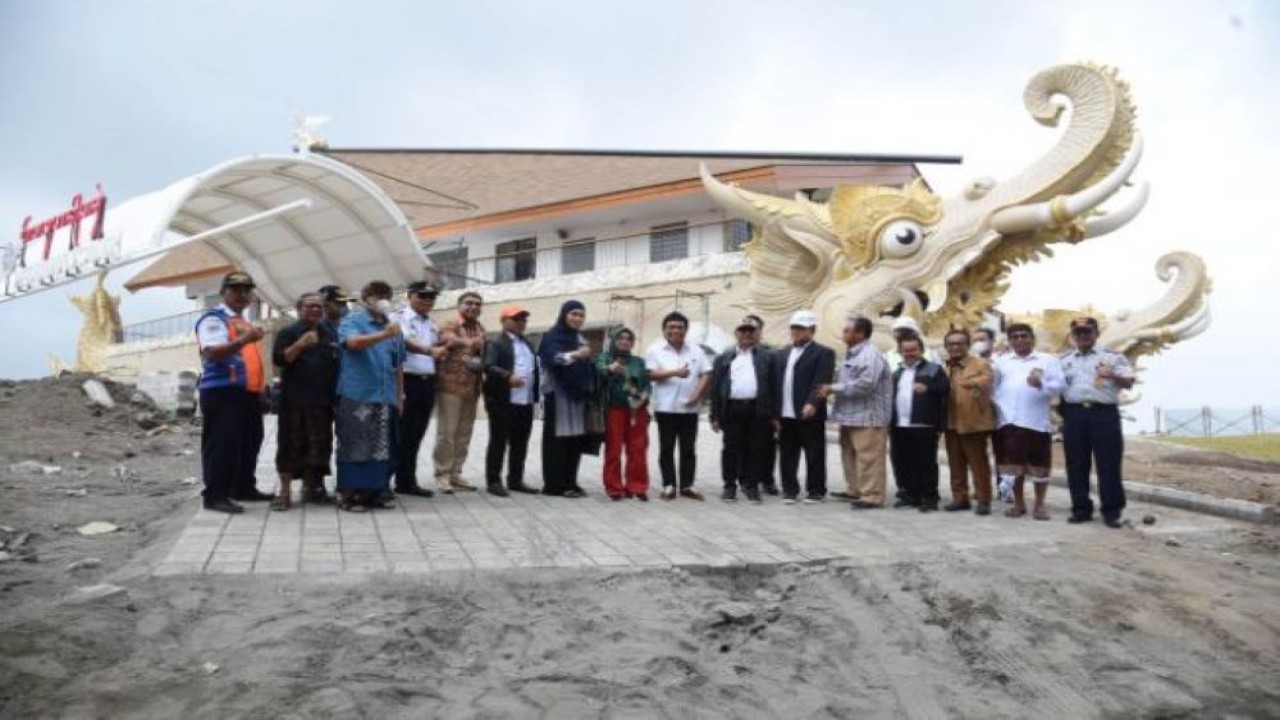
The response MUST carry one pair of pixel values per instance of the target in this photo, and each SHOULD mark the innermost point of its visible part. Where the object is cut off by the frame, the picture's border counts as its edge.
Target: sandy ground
(1120, 624)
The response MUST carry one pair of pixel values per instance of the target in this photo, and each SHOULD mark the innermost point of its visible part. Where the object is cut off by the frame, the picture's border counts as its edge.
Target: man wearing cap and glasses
(742, 400)
(510, 391)
(231, 384)
(1091, 429)
(335, 305)
(422, 347)
(800, 372)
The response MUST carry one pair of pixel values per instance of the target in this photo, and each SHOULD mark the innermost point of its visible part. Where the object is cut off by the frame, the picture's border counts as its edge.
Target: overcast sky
(139, 94)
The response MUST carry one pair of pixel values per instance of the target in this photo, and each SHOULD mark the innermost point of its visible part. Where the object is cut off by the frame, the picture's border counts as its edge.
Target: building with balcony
(631, 234)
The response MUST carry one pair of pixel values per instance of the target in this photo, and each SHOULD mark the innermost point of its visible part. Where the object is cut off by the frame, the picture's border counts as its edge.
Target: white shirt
(422, 330)
(1018, 403)
(212, 332)
(742, 375)
(670, 395)
(789, 382)
(523, 369)
(906, 394)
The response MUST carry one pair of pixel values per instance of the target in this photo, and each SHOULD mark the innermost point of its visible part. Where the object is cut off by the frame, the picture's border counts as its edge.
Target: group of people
(372, 378)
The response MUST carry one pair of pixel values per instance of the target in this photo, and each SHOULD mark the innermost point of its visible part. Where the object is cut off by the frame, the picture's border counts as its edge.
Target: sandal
(280, 503)
(1015, 512)
(318, 496)
(1040, 514)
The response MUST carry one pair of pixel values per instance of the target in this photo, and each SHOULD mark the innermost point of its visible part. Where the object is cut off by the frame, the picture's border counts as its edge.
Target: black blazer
(930, 407)
(766, 392)
(815, 366)
(499, 363)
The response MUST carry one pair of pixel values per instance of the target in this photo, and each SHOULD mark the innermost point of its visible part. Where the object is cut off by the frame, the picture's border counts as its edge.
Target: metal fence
(180, 324)
(1210, 421)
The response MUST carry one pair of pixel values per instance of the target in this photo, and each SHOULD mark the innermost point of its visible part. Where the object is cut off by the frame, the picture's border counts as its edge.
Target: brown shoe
(668, 493)
(691, 494)
(983, 508)
(954, 506)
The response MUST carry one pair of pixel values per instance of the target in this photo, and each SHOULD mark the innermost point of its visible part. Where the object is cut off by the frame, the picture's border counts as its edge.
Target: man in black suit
(510, 390)
(801, 411)
(920, 393)
(742, 401)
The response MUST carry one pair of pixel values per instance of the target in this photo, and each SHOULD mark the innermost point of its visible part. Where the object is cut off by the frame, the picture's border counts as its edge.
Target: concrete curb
(1196, 502)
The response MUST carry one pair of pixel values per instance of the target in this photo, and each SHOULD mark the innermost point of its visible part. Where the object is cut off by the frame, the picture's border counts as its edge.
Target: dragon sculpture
(883, 251)
(101, 328)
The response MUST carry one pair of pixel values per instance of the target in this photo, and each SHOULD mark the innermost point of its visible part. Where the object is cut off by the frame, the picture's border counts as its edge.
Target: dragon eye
(901, 238)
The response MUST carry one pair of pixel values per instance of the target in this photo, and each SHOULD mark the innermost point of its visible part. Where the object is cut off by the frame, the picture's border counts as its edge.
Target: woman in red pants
(626, 406)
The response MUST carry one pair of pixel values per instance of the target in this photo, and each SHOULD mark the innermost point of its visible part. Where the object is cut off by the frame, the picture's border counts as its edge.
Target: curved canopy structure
(294, 222)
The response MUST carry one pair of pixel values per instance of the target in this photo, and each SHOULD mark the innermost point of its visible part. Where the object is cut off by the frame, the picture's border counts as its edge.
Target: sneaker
(668, 493)
(788, 499)
(813, 500)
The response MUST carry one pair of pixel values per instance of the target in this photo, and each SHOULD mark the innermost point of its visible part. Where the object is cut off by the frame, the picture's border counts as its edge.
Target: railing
(180, 324)
(1210, 422)
(607, 252)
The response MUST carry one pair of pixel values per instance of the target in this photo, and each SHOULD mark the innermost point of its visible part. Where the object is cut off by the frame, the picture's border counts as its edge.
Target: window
(450, 268)
(737, 233)
(578, 257)
(668, 242)
(516, 260)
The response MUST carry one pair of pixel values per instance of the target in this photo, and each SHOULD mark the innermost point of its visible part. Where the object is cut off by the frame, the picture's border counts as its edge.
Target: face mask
(981, 347)
(383, 306)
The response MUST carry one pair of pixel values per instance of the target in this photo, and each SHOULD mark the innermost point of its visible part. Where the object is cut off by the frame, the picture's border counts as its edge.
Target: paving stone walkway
(476, 531)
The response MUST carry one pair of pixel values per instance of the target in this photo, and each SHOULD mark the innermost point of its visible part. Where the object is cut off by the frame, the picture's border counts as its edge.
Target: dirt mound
(41, 419)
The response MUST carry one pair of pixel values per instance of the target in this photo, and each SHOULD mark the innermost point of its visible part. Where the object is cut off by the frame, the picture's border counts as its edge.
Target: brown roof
(443, 191)
(445, 187)
(180, 266)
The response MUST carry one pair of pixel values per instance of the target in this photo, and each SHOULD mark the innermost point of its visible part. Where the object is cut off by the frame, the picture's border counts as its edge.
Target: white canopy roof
(294, 222)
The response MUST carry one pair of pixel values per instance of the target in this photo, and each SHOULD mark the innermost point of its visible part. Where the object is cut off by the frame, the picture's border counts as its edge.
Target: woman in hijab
(569, 382)
(626, 400)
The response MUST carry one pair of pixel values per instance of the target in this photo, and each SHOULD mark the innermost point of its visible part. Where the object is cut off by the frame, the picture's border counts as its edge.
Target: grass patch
(1255, 447)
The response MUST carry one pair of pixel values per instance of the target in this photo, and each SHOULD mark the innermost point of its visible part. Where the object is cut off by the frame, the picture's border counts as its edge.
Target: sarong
(304, 440)
(366, 444)
(1022, 451)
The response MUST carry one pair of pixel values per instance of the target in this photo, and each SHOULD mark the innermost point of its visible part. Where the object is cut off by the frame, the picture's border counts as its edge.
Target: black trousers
(561, 456)
(673, 429)
(509, 428)
(230, 438)
(419, 401)
(809, 437)
(913, 451)
(1093, 435)
(747, 456)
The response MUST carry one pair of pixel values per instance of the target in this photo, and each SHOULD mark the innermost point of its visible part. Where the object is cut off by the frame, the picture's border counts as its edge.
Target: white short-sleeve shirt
(670, 395)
